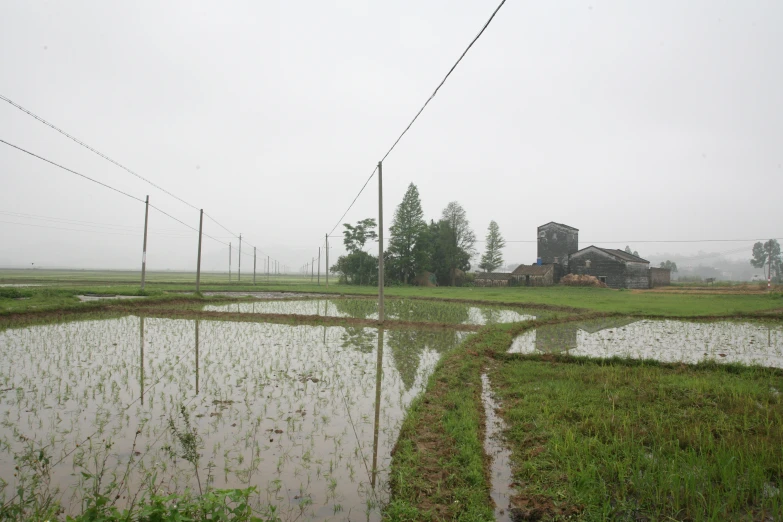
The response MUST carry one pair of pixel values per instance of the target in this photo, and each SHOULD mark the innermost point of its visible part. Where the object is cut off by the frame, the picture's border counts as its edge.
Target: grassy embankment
(594, 440)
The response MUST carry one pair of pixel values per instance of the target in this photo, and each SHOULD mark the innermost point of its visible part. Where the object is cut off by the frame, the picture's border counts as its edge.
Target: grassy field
(590, 439)
(693, 302)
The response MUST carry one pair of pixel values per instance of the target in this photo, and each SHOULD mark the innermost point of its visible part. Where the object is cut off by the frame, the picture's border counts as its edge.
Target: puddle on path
(398, 309)
(755, 343)
(309, 415)
(495, 446)
(90, 297)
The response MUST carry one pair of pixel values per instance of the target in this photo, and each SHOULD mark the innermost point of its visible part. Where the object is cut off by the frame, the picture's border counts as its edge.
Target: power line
(446, 77)
(102, 155)
(453, 67)
(107, 186)
(75, 221)
(114, 233)
(71, 171)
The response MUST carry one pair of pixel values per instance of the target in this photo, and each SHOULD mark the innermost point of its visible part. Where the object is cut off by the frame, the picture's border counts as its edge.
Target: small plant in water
(189, 442)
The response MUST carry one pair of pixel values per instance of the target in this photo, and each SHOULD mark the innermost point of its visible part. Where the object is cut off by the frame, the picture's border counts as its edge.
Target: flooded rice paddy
(396, 309)
(306, 414)
(753, 343)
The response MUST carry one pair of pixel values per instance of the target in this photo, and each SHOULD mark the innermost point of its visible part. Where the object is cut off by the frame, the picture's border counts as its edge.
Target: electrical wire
(102, 155)
(443, 81)
(117, 233)
(69, 170)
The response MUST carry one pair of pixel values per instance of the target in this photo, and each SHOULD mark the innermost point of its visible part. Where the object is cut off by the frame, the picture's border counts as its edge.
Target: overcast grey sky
(628, 120)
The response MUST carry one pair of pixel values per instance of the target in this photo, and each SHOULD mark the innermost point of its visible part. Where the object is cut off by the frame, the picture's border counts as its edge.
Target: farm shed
(660, 277)
(492, 279)
(616, 268)
(534, 275)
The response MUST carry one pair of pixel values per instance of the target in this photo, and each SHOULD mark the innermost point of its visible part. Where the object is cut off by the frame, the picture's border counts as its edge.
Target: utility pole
(267, 269)
(229, 262)
(319, 266)
(198, 259)
(769, 268)
(144, 248)
(254, 265)
(239, 260)
(312, 270)
(326, 268)
(380, 242)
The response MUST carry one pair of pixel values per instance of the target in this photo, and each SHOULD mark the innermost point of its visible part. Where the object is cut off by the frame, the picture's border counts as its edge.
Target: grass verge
(626, 440)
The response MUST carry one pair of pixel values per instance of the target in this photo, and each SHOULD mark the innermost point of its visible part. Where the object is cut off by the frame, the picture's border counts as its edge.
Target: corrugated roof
(534, 270)
(559, 224)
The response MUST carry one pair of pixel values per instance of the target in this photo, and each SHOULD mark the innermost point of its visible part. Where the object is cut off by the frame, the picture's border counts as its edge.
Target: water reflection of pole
(378, 379)
(197, 323)
(141, 356)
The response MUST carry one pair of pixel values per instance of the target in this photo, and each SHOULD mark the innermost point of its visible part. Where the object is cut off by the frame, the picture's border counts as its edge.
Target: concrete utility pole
(326, 268)
(198, 258)
(319, 266)
(239, 260)
(254, 265)
(312, 270)
(229, 261)
(144, 248)
(267, 269)
(769, 268)
(380, 243)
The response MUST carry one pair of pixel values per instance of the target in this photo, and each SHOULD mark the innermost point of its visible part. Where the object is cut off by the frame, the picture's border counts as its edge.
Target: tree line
(439, 251)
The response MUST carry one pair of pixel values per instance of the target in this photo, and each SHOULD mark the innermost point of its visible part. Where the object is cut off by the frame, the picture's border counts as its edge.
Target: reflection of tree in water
(427, 311)
(359, 338)
(408, 345)
(559, 338)
(358, 308)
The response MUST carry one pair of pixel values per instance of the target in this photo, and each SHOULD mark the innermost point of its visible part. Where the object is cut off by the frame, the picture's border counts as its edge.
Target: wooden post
(144, 248)
(380, 243)
(198, 258)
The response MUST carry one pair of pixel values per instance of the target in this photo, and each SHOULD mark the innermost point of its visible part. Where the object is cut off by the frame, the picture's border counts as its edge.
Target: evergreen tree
(493, 255)
(458, 240)
(405, 245)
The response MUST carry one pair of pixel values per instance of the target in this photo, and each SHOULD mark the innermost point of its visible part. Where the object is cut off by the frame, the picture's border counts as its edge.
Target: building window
(554, 236)
(602, 279)
(588, 263)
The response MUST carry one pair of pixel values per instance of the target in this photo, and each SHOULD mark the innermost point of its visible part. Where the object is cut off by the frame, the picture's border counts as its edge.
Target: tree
(460, 237)
(632, 252)
(670, 265)
(493, 255)
(354, 238)
(405, 245)
(768, 254)
(358, 267)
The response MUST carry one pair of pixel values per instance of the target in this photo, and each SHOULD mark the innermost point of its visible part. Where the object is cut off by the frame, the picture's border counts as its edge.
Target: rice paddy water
(752, 343)
(307, 414)
(395, 309)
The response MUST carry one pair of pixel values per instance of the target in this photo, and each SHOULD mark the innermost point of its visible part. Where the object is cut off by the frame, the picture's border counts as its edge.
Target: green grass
(634, 441)
(593, 299)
